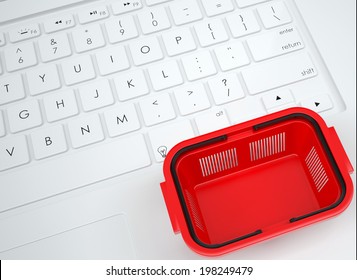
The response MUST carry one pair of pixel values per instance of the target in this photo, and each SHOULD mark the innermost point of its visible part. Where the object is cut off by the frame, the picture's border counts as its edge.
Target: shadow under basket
(252, 181)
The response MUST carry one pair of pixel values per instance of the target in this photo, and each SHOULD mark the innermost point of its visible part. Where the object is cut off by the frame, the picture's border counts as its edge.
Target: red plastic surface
(243, 184)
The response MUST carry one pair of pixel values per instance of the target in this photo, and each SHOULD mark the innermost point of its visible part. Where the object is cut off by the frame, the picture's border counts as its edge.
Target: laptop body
(124, 216)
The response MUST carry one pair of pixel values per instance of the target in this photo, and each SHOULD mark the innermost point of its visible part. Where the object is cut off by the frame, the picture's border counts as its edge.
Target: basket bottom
(262, 197)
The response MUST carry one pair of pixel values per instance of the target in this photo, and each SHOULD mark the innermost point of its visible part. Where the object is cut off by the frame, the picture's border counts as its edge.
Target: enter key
(275, 43)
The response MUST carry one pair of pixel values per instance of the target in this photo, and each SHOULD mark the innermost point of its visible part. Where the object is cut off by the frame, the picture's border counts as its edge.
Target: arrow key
(318, 103)
(278, 99)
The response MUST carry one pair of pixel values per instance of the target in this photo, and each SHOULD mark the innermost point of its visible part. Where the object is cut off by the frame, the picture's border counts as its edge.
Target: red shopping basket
(252, 181)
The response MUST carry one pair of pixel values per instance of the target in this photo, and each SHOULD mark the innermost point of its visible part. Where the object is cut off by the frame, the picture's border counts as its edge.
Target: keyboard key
(88, 38)
(78, 169)
(146, 50)
(245, 3)
(96, 95)
(2, 39)
(185, 11)
(58, 23)
(279, 72)
(43, 79)
(24, 32)
(2, 125)
(244, 109)
(231, 56)
(48, 142)
(85, 130)
(178, 41)
(124, 6)
(226, 88)
(216, 7)
(211, 32)
(318, 103)
(243, 23)
(60, 105)
(130, 85)
(157, 109)
(165, 75)
(54, 47)
(92, 14)
(192, 98)
(198, 65)
(153, 20)
(274, 14)
(13, 152)
(275, 43)
(112, 60)
(20, 56)
(212, 121)
(121, 119)
(121, 29)
(11, 89)
(163, 138)
(154, 2)
(24, 116)
(78, 69)
(280, 98)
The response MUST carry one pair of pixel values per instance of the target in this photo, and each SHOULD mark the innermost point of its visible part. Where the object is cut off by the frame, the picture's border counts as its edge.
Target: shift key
(278, 72)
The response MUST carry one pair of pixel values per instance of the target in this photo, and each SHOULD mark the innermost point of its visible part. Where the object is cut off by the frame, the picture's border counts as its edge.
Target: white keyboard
(83, 89)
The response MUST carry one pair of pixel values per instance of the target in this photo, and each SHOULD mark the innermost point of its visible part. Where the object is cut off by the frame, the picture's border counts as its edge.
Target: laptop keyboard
(141, 76)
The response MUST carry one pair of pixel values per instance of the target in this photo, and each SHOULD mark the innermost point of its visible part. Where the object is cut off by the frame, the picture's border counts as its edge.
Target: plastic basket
(255, 180)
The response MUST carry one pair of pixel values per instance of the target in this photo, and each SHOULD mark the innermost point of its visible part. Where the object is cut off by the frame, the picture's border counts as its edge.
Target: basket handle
(335, 140)
(170, 202)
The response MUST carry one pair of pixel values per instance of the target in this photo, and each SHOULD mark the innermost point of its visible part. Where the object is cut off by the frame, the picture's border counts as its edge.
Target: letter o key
(145, 49)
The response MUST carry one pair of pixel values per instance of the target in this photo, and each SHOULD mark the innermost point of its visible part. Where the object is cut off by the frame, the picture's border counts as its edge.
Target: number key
(154, 20)
(54, 47)
(20, 56)
(120, 29)
(88, 38)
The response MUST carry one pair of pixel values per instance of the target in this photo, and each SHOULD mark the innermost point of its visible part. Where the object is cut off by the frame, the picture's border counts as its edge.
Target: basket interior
(255, 181)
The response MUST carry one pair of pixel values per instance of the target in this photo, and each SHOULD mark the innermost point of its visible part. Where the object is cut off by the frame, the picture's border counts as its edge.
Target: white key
(212, 121)
(85, 130)
(43, 79)
(2, 39)
(226, 88)
(11, 88)
(279, 72)
(88, 38)
(121, 29)
(20, 56)
(78, 69)
(24, 115)
(0, 68)
(192, 98)
(121, 119)
(2, 126)
(231, 56)
(48, 142)
(124, 6)
(185, 11)
(96, 95)
(24, 32)
(198, 65)
(92, 14)
(163, 138)
(178, 41)
(58, 23)
(243, 23)
(60, 105)
(131, 85)
(54, 47)
(245, 109)
(211, 32)
(145, 50)
(275, 43)
(77, 169)
(165, 75)
(154, 2)
(278, 99)
(245, 3)
(274, 14)
(157, 109)
(13, 152)
(318, 103)
(216, 7)
(153, 20)
(112, 60)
